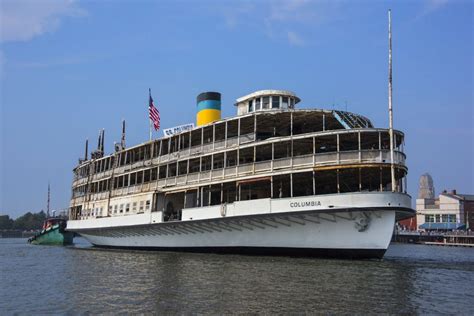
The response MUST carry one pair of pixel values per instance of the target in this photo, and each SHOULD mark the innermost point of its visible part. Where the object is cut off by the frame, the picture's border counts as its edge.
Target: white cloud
(22, 20)
(281, 19)
(430, 6)
(295, 39)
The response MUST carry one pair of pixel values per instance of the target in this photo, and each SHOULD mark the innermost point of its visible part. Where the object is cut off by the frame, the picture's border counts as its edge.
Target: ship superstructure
(273, 179)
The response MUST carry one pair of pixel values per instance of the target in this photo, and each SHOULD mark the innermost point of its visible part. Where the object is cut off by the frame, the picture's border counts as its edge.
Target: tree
(6, 222)
(30, 221)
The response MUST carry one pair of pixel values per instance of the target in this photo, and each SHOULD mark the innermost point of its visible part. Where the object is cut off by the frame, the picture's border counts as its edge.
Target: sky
(69, 68)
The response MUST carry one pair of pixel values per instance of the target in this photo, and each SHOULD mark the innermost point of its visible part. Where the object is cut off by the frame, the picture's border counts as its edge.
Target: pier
(458, 239)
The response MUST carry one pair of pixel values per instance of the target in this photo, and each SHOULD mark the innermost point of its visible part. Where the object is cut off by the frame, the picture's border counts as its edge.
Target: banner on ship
(177, 129)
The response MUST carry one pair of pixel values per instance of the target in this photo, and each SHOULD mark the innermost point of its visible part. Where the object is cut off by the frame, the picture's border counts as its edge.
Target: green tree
(6, 222)
(30, 221)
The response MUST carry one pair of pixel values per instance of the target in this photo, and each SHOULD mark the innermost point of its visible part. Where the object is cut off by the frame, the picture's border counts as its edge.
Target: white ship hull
(318, 225)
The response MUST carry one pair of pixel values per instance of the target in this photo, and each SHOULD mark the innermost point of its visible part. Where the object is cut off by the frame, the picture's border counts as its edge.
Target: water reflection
(411, 279)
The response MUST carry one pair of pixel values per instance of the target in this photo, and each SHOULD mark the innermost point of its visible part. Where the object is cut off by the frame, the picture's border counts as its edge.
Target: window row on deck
(222, 134)
(367, 179)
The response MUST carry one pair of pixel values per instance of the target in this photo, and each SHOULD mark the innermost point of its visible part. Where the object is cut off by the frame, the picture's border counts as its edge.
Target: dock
(464, 239)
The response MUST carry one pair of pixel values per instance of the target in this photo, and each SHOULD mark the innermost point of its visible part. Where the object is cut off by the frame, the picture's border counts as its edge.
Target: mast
(390, 110)
(47, 205)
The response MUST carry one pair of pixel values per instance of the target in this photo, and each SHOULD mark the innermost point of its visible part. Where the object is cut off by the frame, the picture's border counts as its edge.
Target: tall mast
(390, 110)
(47, 206)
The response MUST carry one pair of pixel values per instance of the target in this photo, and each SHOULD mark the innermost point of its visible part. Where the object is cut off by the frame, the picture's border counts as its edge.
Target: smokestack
(99, 141)
(208, 108)
(86, 151)
(102, 141)
(122, 141)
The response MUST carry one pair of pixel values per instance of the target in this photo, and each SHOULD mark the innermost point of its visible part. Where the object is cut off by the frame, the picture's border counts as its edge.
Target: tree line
(29, 221)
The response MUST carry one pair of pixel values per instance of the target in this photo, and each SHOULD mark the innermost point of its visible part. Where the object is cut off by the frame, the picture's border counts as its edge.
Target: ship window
(303, 184)
(133, 179)
(370, 179)
(182, 167)
(127, 208)
(172, 169)
(349, 180)
(369, 141)
(229, 191)
(125, 180)
(162, 172)
(139, 177)
(257, 104)
(147, 207)
(154, 174)
(292, 103)
(282, 150)
(246, 155)
(452, 218)
(191, 198)
(134, 206)
(115, 208)
(444, 218)
(326, 144)
(231, 158)
(194, 165)
(326, 181)
(255, 189)
(146, 176)
(429, 218)
(121, 208)
(275, 102)
(206, 163)
(438, 218)
(216, 194)
(205, 196)
(265, 102)
(251, 106)
(218, 161)
(281, 186)
(141, 205)
(348, 142)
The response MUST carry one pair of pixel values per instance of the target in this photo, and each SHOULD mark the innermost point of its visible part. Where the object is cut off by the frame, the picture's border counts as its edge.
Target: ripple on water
(410, 279)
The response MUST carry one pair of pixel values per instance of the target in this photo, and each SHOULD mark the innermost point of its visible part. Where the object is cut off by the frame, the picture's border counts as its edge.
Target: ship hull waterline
(348, 233)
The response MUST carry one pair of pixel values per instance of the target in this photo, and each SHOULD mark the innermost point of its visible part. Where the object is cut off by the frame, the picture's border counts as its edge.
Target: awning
(446, 226)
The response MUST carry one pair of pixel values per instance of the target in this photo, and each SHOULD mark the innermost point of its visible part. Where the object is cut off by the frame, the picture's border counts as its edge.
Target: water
(412, 279)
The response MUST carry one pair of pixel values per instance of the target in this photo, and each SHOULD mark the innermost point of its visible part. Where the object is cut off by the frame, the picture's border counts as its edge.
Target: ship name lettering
(305, 203)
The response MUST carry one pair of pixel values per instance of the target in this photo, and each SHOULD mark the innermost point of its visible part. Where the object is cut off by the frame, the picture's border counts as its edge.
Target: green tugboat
(53, 233)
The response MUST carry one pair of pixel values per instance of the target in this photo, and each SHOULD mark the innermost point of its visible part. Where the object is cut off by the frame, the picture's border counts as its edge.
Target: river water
(411, 279)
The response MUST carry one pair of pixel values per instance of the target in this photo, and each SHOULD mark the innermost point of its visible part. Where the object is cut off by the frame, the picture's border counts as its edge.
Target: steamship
(273, 179)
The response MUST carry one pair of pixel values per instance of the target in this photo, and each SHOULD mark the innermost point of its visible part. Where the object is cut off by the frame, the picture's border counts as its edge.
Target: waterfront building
(449, 211)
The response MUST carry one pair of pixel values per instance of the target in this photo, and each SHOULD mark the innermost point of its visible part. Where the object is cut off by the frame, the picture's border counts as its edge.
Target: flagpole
(390, 110)
(149, 119)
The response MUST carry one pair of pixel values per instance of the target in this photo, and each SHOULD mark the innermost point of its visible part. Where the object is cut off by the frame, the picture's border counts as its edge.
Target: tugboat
(54, 230)
(53, 233)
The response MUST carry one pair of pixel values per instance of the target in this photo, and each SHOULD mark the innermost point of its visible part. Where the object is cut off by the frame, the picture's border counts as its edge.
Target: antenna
(390, 110)
(47, 205)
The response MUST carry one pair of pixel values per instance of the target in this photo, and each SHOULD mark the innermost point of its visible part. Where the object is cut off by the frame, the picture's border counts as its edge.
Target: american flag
(154, 114)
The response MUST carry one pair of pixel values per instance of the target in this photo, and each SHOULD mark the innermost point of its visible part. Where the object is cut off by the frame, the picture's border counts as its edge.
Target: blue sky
(70, 68)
